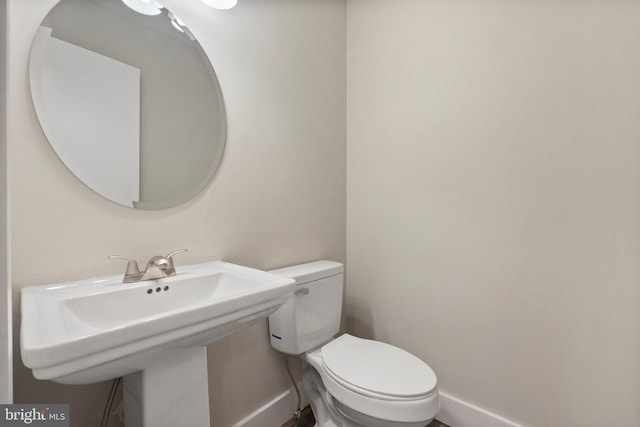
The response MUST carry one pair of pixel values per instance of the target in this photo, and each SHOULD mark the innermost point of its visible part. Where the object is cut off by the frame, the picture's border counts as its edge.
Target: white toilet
(350, 381)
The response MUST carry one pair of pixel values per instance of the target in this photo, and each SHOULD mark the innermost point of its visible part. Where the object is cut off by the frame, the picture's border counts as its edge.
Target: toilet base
(329, 412)
(319, 398)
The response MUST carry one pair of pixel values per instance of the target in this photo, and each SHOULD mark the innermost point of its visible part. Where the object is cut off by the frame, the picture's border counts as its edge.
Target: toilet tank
(312, 316)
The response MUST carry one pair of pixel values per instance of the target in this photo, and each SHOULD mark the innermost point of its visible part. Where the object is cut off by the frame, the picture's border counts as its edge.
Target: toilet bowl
(349, 381)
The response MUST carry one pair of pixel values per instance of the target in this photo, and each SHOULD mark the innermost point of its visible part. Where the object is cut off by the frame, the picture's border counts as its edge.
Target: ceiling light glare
(145, 7)
(176, 22)
(179, 25)
(221, 4)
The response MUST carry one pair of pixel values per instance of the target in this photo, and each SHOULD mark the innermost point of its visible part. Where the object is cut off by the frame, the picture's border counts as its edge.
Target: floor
(307, 420)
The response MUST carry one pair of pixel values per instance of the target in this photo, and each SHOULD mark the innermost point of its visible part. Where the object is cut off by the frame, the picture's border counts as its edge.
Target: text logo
(34, 415)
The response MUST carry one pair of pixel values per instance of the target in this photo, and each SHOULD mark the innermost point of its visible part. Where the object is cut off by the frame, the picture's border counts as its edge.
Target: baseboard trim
(458, 413)
(275, 413)
(453, 411)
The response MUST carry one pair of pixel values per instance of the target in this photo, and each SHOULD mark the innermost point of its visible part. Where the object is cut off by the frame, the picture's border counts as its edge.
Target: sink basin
(127, 304)
(97, 329)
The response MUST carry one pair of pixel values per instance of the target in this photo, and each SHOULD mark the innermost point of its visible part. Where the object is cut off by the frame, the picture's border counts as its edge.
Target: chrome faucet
(158, 267)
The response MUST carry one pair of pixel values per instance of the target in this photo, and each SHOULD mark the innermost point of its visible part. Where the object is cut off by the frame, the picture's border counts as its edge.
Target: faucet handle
(170, 259)
(176, 252)
(132, 265)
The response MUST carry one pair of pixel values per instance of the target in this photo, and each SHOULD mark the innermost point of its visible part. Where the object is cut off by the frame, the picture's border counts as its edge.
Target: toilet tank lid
(311, 271)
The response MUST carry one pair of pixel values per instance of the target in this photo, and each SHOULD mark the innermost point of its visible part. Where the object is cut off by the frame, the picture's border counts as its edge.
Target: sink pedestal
(172, 391)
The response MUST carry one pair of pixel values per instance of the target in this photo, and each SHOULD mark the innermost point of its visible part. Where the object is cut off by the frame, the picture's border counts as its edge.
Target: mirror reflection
(129, 101)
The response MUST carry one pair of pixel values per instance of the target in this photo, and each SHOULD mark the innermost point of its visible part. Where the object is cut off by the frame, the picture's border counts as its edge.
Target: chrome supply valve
(158, 267)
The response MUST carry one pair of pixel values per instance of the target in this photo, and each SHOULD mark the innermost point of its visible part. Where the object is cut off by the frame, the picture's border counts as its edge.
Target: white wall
(6, 383)
(493, 191)
(277, 199)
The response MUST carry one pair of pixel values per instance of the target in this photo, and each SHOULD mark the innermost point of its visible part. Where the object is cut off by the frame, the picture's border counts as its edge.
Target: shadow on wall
(359, 318)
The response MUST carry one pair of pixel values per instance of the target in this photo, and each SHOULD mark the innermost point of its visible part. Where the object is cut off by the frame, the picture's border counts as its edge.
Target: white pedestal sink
(153, 333)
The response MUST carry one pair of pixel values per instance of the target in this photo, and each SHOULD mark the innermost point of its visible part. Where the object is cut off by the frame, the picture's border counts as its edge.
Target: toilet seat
(413, 404)
(376, 369)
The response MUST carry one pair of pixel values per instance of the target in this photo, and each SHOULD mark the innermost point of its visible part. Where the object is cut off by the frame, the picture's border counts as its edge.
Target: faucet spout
(158, 267)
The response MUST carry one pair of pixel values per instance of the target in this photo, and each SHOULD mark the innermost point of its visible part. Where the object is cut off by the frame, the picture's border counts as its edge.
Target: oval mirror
(128, 100)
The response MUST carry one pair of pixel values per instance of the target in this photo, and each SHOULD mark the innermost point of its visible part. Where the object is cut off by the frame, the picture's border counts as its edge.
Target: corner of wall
(6, 377)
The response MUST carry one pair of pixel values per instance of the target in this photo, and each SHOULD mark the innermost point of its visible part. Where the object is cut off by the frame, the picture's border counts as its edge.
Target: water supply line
(107, 408)
(296, 414)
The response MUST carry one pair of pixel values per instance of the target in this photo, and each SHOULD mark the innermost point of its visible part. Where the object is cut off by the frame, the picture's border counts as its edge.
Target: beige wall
(493, 191)
(277, 199)
(6, 388)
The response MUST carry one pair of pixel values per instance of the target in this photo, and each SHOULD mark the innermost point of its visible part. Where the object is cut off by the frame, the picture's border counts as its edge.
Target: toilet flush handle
(301, 291)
